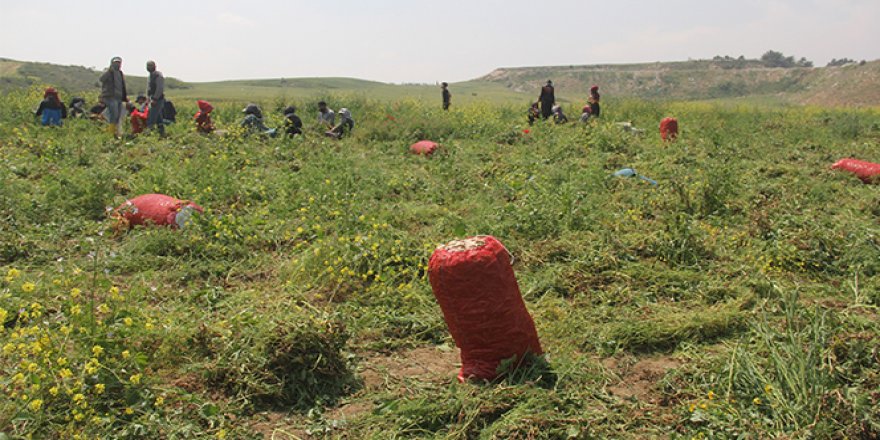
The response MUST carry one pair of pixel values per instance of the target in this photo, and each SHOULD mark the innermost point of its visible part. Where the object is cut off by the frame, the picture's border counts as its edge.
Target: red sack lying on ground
(477, 291)
(424, 147)
(157, 209)
(669, 129)
(869, 172)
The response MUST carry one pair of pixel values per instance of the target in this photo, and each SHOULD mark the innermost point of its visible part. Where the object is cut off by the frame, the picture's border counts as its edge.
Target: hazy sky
(420, 41)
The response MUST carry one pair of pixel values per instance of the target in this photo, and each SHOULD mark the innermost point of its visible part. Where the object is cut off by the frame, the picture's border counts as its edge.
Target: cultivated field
(738, 298)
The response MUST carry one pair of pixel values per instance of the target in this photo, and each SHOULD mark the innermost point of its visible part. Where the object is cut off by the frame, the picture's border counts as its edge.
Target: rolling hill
(852, 84)
(746, 81)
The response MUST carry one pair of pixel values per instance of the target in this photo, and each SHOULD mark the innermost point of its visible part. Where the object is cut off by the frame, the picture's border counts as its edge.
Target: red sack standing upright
(868, 172)
(157, 209)
(425, 148)
(474, 284)
(669, 129)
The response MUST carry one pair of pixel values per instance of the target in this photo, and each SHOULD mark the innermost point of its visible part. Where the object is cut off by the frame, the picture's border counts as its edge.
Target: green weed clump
(293, 363)
(803, 377)
(661, 330)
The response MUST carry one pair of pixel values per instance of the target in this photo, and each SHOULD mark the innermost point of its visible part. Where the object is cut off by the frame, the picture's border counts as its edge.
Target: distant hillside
(15, 74)
(704, 79)
(737, 80)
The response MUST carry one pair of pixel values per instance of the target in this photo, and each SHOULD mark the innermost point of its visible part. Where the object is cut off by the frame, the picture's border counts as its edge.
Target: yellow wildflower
(36, 404)
(13, 273)
(99, 388)
(104, 308)
(97, 350)
(28, 287)
(128, 321)
(135, 378)
(74, 293)
(125, 354)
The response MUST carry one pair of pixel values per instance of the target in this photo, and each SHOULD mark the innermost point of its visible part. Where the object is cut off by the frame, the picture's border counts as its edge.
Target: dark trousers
(156, 116)
(546, 109)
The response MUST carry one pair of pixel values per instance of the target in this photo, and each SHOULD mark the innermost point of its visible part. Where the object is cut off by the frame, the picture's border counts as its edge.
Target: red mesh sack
(474, 284)
(669, 129)
(425, 148)
(869, 172)
(157, 209)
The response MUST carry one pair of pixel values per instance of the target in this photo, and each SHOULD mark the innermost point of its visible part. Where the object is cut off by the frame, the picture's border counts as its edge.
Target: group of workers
(546, 106)
(154, 111)
(253, 121)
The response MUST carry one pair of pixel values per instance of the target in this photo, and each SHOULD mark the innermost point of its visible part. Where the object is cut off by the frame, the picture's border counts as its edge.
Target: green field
(738, 298)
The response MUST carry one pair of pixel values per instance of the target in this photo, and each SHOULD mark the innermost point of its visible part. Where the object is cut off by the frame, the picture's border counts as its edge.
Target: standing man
(547, 99)
(446, 95)
(156, 97)
(113, 94)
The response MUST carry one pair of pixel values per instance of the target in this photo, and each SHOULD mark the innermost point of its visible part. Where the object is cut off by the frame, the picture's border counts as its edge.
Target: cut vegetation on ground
(738, 298)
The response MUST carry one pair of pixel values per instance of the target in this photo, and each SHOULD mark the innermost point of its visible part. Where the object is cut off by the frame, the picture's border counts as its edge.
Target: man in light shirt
(326, 115)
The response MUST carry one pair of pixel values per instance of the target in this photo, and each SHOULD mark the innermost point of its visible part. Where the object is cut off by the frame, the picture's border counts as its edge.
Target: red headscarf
(205, 106)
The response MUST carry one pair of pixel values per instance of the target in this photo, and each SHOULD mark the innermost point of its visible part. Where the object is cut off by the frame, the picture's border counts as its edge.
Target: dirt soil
(639, 377)
(379, 372)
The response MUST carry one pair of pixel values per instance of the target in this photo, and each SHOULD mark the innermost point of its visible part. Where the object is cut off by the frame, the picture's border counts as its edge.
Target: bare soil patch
(639, 377)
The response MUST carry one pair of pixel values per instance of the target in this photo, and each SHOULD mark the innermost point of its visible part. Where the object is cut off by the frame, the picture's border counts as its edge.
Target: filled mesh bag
(868, 172)
(425, 148)
(474, 284)
(669, 129)
(156, 209)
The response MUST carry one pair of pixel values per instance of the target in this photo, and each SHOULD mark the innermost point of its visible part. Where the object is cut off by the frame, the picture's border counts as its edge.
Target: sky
(413, 41)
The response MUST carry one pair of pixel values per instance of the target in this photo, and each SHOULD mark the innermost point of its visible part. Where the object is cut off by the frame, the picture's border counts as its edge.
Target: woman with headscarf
(203, 117)
(594, 101)
(253, 121)
(51, 109)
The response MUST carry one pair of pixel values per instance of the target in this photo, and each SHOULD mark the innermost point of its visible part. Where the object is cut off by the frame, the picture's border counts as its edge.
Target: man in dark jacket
(447, 97)
(547, 99)
(156, 96)
(113, 94)
(292, 123)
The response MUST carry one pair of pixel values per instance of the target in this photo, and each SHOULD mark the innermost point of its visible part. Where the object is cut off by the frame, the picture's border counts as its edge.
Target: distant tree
(773, 58)
(836, 63)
